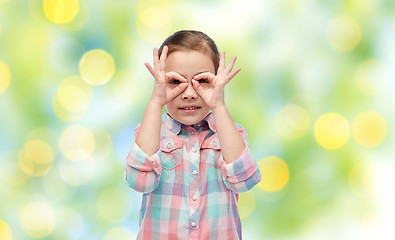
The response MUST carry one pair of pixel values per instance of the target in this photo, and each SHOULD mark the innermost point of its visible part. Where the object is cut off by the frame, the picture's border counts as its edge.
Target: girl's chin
(189, 120)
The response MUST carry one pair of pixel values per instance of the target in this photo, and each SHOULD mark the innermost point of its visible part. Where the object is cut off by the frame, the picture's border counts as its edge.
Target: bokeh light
(369, 129)
(70, 224)
(77, 143)
(372, 77)
(56, 187)
(331, 131)
(72, 99)
(77, 173)
(46, 135)
(246, 204)
(97, 67)
(61, 11)
(292, 122)
(343, 33)
(4, 77)
(103, 144)
(73, 87)
(36, 158)
(11, 174)
(38, 219)
(154, 19)
(5, 231)
(360, 180)
(119, 233)
(114, 204)
(64, 54)
(275, 173)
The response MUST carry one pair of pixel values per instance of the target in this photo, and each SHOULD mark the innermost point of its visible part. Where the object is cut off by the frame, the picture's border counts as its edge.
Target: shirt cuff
(138, 159)
(241, 169)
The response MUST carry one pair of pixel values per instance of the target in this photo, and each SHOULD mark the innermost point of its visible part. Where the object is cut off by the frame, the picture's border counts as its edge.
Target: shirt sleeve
(142, 173)
(242, 174)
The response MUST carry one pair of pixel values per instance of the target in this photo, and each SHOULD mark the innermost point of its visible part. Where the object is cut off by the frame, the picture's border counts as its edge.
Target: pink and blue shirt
(189, 191)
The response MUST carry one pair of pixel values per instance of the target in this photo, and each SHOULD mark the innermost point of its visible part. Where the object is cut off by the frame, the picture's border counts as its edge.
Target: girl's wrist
(219, 108)
(155, 103)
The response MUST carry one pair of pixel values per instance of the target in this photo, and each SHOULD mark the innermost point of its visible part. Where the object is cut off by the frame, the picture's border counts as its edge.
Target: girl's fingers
(233, 74)
(180, 88)
(156, 57)
(175, 75)
(222, 61)
(198, 88)
(172, 93)
(206, 76)
(231, 64)
(150, 69)
(163, 57)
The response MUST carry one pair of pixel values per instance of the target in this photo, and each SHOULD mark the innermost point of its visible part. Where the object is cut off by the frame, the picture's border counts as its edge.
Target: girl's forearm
(148, 137)
(232, 144)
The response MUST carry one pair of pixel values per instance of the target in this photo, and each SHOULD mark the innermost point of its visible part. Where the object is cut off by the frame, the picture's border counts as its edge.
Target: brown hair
(192, 40)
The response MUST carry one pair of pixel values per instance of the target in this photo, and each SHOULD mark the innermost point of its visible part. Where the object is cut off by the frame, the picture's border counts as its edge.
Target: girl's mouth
(189, 108)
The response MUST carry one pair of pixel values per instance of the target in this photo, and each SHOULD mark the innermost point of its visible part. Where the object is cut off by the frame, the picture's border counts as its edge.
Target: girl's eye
(202, 81)
(175, 81)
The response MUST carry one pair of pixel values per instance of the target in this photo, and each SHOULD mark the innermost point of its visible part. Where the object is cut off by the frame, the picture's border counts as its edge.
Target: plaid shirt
(189, 190)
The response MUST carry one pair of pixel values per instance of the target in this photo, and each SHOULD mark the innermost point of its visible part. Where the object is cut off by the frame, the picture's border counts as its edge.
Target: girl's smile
(189, 109)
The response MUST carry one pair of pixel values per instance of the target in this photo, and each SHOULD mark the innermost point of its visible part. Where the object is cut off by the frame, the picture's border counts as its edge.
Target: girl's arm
(143, 167)
(232, 144)
(240, 170)
(148, 138)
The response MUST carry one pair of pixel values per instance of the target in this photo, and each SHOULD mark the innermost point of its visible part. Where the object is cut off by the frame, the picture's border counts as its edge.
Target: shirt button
(168, 145)
(193, 149)
(195, 172)
(193, 224)
(194, 197)
(192, 133)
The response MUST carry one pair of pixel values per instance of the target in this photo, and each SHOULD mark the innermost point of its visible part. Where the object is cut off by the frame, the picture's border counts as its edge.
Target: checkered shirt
(189, 192)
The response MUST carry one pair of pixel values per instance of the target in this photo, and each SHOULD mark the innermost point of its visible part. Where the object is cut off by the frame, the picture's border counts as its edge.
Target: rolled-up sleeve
(242, 174)
(142, 173)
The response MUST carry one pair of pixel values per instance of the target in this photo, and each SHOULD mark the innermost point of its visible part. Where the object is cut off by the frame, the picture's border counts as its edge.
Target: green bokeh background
(286, 56)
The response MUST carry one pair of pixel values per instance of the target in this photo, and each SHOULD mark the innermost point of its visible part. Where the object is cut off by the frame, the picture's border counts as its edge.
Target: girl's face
(188, 107)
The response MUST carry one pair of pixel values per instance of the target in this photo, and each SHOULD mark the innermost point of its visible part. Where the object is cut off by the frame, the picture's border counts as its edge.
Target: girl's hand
(167, 85)
(210, 87)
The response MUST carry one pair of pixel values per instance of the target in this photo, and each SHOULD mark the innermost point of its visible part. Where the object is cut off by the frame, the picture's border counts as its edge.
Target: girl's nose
(189, 92)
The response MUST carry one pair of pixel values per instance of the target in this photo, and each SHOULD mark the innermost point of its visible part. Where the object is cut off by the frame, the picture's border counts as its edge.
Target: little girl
(191, 162)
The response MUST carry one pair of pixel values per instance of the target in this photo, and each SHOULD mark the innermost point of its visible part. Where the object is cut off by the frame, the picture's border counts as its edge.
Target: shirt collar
(175, 126)
(210, 121)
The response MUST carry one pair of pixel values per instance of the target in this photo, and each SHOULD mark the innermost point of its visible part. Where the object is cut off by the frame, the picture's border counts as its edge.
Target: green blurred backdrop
(314, 94)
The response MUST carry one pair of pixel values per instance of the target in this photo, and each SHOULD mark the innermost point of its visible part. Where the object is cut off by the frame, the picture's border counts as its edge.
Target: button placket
(194, 212)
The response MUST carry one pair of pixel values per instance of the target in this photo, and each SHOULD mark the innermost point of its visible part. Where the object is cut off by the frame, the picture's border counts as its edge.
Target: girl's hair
(192, 40)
